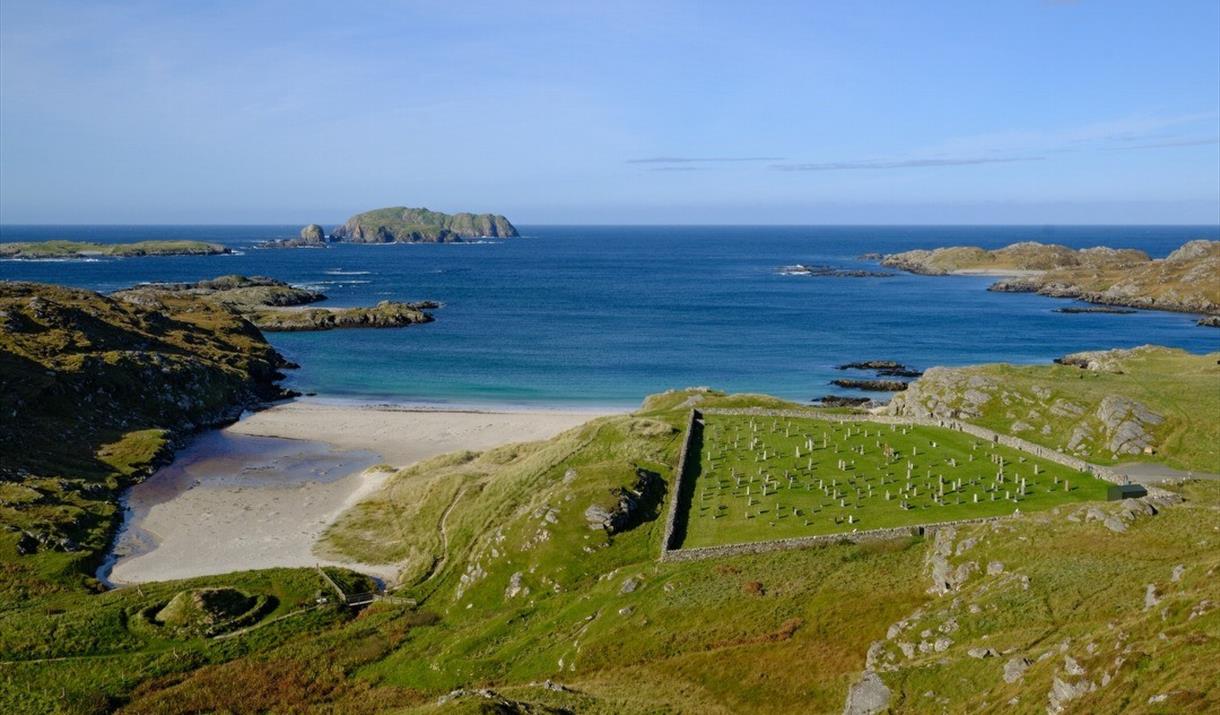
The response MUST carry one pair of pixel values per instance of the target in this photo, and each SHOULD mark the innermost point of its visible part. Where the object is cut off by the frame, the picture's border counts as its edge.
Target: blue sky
(572, 112)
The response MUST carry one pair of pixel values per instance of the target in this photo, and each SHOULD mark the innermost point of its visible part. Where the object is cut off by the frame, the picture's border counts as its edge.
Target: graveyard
(761, 478)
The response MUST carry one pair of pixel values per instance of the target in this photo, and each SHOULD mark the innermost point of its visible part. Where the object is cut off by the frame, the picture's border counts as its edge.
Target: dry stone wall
(672, 552)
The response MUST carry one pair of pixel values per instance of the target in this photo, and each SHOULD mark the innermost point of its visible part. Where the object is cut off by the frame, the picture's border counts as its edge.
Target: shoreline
(389, 403)
(260, 492)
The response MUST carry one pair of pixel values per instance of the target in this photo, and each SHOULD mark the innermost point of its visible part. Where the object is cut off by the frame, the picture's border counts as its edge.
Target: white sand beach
(260, 492)
(404, 435)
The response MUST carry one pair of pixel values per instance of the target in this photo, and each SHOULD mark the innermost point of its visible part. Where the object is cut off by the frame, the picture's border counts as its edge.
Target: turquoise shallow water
(599, 315)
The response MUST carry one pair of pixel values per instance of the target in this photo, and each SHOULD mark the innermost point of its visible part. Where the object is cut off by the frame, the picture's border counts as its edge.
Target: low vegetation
(1186, 280)
(82, 249)
(529, 573)
(399, 224)
(94, 391)
(1147, 404)
(274, 305)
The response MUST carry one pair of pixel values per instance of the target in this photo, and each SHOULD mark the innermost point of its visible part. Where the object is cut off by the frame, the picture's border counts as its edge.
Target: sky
(656, 112)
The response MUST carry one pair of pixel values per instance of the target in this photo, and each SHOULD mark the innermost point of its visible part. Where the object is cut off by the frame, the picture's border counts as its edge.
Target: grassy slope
(80, 249)
(1086, 599)
(781, 632)
(1181, 387)
(720, 513)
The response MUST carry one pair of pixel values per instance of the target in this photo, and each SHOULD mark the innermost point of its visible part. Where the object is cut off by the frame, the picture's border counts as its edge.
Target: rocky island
(399, 224)
(33, 250)
(312, 236)
(1187, 280)
(277, 306)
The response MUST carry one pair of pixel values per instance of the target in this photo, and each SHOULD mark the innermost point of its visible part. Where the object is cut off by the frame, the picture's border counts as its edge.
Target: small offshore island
(400, 224)
(35, 250)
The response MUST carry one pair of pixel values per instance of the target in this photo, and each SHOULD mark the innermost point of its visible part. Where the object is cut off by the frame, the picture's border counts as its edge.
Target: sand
(259, 493)
(404, 435)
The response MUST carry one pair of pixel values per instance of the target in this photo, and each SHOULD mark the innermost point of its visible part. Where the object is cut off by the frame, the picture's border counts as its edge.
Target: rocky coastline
(1187, 280)
(872, 385)
(274, 305)
(311, 236)
(97, 392)
(820, 271)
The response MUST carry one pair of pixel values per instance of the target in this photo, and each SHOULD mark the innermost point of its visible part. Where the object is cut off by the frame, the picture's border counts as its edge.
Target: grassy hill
(515, 589)
(1107, 407)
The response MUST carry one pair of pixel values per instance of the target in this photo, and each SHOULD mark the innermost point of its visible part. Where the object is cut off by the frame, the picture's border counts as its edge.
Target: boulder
(868, 696)
(313, 233)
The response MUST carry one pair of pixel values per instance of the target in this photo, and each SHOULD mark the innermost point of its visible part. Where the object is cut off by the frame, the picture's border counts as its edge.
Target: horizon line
(1041, 224)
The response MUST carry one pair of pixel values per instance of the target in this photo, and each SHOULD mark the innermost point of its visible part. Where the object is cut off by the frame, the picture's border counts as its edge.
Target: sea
(602, 316)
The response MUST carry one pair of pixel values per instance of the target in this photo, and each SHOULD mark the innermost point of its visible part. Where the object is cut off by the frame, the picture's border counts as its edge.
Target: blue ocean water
(601, 315)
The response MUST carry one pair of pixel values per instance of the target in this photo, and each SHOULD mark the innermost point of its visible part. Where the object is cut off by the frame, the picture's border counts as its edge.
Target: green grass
(1045, 404)
(780, 632)
(761, 478)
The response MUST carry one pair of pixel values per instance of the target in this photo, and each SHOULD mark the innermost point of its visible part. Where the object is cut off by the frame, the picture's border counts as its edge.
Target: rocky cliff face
(399, 224)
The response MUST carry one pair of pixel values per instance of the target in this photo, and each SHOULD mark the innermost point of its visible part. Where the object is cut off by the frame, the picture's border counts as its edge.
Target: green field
(761, 478)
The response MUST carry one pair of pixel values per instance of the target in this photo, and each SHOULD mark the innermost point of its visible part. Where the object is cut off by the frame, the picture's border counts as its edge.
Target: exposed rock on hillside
(629, 506)
(868, 696)
(1101, 405)
(1187, 280)
(1018, 257)
(399, 224)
